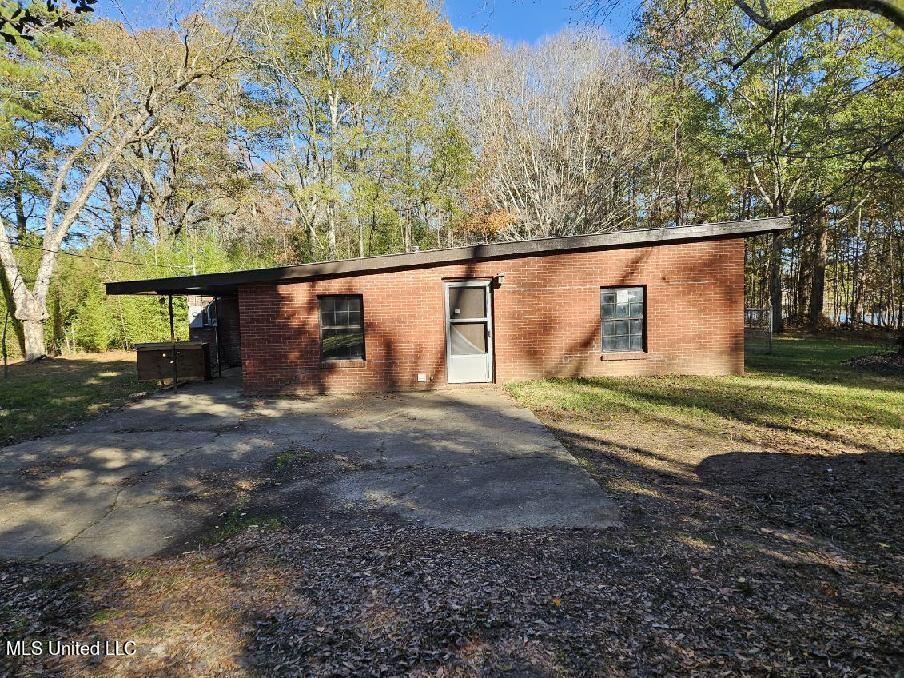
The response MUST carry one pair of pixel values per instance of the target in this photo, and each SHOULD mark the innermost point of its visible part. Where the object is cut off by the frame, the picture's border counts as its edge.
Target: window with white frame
(341, 327)
(623, 314)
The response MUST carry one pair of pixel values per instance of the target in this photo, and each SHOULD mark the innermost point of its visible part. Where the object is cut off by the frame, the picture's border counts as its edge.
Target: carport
(220, 329)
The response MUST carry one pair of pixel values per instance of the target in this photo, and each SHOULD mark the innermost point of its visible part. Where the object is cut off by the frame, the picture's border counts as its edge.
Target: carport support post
(172, 333)
(216, 300)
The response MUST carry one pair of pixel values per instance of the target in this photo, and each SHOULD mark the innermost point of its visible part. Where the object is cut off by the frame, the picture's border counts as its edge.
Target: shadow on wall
(393, 360)
(562, 345)
(560, 348)
(388, 367)
(544, 354)
(547, 357)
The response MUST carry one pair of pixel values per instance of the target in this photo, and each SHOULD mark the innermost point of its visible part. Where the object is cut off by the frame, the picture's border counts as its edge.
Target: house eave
(226, 283)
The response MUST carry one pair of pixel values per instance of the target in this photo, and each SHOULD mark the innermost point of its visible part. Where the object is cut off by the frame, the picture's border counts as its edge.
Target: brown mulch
(745, 562)
(889, 362)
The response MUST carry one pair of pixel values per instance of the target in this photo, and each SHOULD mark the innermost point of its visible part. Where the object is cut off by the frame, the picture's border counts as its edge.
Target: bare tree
(560, 129)
(342, 87)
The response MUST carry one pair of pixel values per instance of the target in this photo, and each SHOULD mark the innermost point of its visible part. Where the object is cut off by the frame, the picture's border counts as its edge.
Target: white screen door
(469, 332)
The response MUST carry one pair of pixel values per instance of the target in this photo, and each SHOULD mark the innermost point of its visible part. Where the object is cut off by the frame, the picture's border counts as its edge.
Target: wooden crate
(155, 361)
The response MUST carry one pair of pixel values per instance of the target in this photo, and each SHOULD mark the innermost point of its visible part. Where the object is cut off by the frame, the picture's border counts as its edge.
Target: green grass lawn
(38, 398)
(801, 390)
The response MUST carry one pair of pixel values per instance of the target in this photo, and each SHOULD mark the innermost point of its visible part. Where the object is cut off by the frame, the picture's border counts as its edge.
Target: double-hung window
(622, 310)
(341, 327)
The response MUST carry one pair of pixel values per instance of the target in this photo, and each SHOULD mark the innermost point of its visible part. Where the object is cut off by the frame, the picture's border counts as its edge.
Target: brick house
(628, 303)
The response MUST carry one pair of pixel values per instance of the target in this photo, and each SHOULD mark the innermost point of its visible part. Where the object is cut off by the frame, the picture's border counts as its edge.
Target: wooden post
(172, 330)
(216, 300)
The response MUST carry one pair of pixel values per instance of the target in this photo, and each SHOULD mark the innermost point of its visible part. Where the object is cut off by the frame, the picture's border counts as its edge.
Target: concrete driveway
(147, 478)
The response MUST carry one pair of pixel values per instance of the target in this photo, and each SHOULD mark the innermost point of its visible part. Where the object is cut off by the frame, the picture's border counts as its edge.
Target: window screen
(622, 311)
(468, 338)
(467, 302)
(341, 327)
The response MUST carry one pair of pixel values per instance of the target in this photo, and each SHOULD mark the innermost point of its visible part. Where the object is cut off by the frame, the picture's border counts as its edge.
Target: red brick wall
(546, 317)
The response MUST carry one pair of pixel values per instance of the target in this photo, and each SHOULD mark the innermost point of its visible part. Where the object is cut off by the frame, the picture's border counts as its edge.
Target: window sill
(343, 363)
(625, 355)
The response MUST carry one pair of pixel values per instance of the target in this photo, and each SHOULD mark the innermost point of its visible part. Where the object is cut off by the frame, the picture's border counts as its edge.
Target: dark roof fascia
(221, 283)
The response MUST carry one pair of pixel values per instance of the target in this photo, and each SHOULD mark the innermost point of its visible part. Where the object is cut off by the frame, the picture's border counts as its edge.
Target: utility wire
(89, 256)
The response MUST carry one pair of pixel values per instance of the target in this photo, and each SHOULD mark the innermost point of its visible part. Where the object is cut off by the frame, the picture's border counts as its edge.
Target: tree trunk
(331, 231)
(159, 221)
(818, 283)
(775, 282)
(856, 286)
(136, 228)
(116, 217)
(33, 331)
(114, 193)
(59, 329)
(360, 229)
(406, 229)
(311, 232)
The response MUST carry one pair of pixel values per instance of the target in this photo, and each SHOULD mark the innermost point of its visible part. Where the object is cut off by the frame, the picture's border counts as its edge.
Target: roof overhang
(220, 284)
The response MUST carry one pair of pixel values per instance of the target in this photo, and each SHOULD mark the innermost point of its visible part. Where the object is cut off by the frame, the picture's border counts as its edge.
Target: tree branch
(884, 8)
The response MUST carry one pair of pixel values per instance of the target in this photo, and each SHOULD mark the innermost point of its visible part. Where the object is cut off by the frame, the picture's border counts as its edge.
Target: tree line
(252, 134)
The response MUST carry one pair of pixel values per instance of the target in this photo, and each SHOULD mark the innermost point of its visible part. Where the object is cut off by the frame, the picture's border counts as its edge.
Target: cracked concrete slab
(132, 531)
(143, 479)
(513, 493)
(464, 459)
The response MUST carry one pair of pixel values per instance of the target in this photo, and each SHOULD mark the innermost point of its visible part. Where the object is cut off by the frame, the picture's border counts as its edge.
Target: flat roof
(213, 284)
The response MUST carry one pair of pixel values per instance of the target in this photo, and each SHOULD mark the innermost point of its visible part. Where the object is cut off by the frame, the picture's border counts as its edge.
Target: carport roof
(213, 284)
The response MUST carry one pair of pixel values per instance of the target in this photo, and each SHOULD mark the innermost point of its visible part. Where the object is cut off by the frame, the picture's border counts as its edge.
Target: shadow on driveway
(144, 479)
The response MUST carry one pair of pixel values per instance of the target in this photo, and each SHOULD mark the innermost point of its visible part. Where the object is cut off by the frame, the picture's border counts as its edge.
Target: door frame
(486, 284)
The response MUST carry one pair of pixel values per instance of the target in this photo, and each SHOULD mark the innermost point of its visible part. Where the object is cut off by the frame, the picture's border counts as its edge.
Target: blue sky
(529, 20)
(519, 20)
(514, 20)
